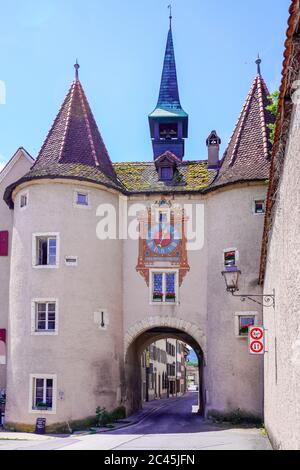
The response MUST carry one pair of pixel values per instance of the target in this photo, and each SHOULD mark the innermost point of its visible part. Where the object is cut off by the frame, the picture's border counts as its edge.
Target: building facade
(83, 299)
(280, 259)
(162, 375)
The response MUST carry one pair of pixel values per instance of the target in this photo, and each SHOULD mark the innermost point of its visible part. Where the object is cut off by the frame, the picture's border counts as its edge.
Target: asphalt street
(169, 425)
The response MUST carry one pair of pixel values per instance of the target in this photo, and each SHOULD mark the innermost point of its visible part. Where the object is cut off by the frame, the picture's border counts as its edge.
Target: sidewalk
(148, 408)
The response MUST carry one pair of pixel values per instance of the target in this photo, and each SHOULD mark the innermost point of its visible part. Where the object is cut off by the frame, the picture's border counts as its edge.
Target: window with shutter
(3, 243)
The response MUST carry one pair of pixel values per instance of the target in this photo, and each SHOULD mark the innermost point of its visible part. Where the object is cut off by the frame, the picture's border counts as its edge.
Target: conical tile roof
(248, 154)
(74, 137)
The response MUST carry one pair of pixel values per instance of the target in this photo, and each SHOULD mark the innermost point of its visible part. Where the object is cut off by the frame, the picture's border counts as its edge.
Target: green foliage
(42, 406)
(273, 109)
(104, 418)
(118, 413)
(236, 416)
(193, 364)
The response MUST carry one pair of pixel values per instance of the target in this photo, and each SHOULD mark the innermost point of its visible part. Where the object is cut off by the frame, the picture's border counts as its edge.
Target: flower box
(170, 297)
(157, 297)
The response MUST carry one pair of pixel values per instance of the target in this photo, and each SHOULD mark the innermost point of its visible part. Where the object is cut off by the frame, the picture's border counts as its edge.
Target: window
(243, 321)
(166, 173)
(23, 200)
(45, 250)
(259, 206)
(164, 287)
(42, 393)
(4, 243)
(168, 131)
(81, 198)
(45, 316)
(230, 258)
(244, 324)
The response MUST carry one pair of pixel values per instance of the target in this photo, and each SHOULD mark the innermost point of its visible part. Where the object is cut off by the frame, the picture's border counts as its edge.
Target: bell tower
(168, 122)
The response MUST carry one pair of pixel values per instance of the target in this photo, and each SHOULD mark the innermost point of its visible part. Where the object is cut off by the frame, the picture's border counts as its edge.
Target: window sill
(40, 411)
(82, 206)
(45, 266)
(45, 333)
(165, 303)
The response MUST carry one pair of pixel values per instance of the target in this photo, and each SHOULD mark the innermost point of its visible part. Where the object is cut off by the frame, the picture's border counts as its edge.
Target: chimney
(213, 142)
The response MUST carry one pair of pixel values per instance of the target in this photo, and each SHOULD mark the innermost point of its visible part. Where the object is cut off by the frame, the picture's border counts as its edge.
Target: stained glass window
(158, 282)
(163, 287)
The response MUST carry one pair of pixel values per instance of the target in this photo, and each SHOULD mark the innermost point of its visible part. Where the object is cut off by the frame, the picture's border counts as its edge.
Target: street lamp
(231, 276)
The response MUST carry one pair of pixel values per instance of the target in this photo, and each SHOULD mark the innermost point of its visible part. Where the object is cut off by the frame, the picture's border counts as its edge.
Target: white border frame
(44, 333)
(237, 315)
(164, 270)
(34, 250)
(54, 396)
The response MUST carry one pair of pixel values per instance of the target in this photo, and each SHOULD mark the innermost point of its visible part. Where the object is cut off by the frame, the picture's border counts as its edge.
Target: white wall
(234, 379)
(86, 360)
(282, 362)
(20, 166)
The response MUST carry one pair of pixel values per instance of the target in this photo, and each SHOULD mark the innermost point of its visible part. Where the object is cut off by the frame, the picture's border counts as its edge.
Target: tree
(273, 109)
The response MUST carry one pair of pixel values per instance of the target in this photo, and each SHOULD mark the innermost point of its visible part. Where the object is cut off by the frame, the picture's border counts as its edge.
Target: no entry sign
(256, 340)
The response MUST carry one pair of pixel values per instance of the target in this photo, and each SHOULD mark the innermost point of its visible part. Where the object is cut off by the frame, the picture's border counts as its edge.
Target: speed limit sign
(256, 340)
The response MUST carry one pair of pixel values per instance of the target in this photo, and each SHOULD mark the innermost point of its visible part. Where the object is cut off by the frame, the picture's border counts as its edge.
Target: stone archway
(149, 330)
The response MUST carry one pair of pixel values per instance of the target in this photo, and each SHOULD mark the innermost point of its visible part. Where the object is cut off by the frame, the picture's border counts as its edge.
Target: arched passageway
(134, 350)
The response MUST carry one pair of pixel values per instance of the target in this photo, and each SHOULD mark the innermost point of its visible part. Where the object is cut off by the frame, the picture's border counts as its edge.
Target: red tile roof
(74, 149)
(74, 136)
(248, 152)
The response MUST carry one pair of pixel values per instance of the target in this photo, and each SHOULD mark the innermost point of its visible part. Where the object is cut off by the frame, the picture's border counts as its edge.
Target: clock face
(162, 239)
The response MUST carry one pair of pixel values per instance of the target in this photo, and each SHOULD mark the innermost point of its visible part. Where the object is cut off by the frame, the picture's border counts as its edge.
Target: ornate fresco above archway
(162, 241)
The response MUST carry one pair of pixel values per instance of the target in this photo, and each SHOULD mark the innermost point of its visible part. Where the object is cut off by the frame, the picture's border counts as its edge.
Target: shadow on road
(171, 416)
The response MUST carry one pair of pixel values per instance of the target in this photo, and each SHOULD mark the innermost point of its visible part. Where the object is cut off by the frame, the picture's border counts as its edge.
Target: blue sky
(192, 357)
(120, 46)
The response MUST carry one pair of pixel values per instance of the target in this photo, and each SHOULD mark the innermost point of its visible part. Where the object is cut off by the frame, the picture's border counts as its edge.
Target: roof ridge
(52, 126)
(241, 120)
(71, 92)
(88, 127)
(74, 136)
(260, 83)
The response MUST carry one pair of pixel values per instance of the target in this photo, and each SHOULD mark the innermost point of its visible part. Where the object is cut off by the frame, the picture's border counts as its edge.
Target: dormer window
(168, 130)
(166, 173)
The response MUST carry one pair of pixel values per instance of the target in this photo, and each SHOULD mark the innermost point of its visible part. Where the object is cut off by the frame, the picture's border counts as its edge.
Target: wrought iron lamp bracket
(267, 300)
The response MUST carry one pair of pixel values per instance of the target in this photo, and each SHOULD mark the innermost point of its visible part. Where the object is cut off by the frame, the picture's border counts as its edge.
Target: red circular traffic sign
(256, 347)
(256, 333)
